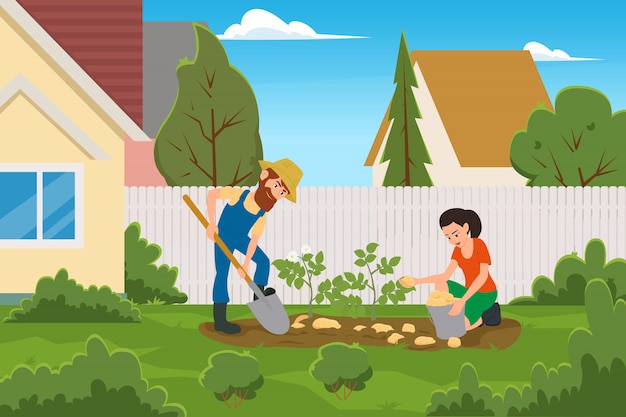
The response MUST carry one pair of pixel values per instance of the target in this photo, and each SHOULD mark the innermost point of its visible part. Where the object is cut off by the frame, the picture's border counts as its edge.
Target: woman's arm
(478, 282)
(434, 279)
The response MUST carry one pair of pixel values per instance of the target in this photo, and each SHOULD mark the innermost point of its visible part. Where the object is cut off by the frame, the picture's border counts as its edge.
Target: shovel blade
(271, 314)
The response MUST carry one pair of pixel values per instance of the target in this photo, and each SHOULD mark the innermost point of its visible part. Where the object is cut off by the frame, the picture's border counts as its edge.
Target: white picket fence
(527, 229)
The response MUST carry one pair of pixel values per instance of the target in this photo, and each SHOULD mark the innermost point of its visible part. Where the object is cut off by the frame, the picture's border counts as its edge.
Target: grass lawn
(173, 353)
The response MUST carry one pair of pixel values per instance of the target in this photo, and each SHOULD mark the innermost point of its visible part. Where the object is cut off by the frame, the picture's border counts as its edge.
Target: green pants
(477, 303)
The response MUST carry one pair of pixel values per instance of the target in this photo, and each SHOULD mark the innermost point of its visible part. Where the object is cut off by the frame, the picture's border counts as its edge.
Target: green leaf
(298, 283)
(360, 253)
(370, 258)
(324, 285)
(290, 279)
(342, 285)
(383, 261)
(307, 257)
(280, 264)
(284, 274)
(400, 295)
(393, 298)
(394, 261)
(350, 276)
(360, 262)
(319, 298)
(388, 287)
(319, 258)
(337, 280)
(358, 300)
(372, 247)
(382, 300)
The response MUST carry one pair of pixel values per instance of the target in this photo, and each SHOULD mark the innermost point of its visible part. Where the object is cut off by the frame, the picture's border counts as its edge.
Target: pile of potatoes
(440, 298)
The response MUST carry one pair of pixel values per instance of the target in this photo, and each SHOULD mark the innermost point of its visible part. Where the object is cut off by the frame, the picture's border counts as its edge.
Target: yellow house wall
(29, 136)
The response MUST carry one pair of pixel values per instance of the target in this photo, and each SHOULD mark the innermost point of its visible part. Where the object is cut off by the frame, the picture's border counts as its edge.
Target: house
(62, 153)
(472, 103)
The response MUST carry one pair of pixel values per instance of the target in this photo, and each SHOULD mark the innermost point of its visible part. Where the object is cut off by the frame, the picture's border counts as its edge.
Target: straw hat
(288, 172)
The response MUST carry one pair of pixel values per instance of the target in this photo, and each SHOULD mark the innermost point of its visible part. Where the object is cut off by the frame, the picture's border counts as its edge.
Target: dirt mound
(252, 334)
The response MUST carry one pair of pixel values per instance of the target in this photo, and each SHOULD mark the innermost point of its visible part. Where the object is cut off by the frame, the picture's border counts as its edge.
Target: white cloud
(540, 52)
(259, 24)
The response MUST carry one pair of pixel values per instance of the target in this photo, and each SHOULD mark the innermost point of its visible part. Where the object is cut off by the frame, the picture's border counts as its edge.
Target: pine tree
(405, 148)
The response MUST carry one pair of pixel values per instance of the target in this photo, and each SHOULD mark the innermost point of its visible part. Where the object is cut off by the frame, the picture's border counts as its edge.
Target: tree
(341, 368)
(211, 135)
(405, 148)
(232, 374)
(580, 143)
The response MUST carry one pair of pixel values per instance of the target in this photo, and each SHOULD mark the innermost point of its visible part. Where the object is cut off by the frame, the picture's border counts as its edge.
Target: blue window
(39, 205)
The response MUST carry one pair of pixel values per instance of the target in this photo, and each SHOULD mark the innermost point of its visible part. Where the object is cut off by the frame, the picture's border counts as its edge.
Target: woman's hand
(407, 281)
(457, 306)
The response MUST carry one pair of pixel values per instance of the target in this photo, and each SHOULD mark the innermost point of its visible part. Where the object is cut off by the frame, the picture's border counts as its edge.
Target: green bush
(232, 374)
(62, 300)
(145, 282)
(572, 274)
(468, 399)
(122, 402)
(594, 381)
(342, 368)
(601, 393)
(92, 382)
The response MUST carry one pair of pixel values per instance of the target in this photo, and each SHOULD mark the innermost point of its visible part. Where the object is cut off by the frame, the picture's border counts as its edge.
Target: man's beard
(263, 196)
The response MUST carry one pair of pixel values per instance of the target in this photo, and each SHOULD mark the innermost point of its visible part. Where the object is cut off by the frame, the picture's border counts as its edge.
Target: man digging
(245, 215)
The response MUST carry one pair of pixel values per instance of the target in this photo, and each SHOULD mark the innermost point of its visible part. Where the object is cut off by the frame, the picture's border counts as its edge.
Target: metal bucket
(447, 326)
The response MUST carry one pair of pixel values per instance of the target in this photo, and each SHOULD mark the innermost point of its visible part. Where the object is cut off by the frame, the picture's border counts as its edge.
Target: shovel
(268, 310)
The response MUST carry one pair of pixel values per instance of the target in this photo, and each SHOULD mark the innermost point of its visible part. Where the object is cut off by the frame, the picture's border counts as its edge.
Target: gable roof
(60, 57)
(21, 85)
(482, 97)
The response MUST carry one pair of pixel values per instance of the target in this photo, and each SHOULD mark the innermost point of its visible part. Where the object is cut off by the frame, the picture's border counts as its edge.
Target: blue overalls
(234, 225)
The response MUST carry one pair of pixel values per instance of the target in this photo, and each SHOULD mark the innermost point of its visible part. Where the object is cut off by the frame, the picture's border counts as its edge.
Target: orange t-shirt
(471, 266)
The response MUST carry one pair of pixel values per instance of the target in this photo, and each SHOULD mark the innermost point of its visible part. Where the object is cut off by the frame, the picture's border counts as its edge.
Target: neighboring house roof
(482, 99)
(105, 38)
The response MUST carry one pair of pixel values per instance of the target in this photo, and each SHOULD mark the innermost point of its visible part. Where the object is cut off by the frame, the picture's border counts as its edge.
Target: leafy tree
(232, 374)
(405, 148)
(144, 281)
(211, 136)
(580, 143)
(341, 368)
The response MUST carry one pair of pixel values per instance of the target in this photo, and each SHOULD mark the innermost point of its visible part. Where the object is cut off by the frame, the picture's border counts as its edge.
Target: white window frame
(79, 206)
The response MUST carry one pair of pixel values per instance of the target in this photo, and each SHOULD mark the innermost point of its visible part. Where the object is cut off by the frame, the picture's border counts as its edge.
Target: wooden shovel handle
(218, 240)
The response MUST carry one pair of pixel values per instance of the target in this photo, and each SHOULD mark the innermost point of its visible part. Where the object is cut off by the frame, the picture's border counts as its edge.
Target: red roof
(105, 38)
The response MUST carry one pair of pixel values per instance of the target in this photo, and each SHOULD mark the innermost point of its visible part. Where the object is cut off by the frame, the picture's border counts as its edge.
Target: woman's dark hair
(460, 217)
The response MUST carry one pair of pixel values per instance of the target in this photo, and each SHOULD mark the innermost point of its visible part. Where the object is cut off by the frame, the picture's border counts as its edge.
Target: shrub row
(591, 384)
(94, 383)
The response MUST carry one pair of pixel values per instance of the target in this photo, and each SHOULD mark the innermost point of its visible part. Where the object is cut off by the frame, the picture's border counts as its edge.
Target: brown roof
(483, 98)
(105, 38)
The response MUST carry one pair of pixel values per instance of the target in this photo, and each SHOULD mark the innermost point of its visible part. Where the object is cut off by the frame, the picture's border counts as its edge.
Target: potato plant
(391, 291)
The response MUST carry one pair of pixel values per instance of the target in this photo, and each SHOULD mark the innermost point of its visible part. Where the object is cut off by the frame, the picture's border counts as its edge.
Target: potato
(407, 280)
(359, 327)
(325, 323)
(300, 318)
(424, 340)
(439, 298)
(395, 338)
(454, 342)
(298, 325)
(408, 328)
(382, 328)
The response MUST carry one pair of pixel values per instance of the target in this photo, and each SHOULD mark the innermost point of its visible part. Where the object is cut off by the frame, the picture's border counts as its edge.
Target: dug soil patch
(253, 334)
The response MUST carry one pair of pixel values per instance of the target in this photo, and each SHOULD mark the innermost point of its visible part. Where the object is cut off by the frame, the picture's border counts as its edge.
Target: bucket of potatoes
(447, 327)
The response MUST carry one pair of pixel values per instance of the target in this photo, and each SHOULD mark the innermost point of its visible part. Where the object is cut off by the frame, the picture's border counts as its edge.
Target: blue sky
(321, 101)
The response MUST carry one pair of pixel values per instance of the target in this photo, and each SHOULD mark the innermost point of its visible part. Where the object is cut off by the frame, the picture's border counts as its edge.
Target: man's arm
(255, 232)
(224, 193)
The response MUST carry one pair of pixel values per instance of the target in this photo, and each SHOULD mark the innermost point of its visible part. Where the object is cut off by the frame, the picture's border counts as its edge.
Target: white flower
(305, 249)
(292, 256)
